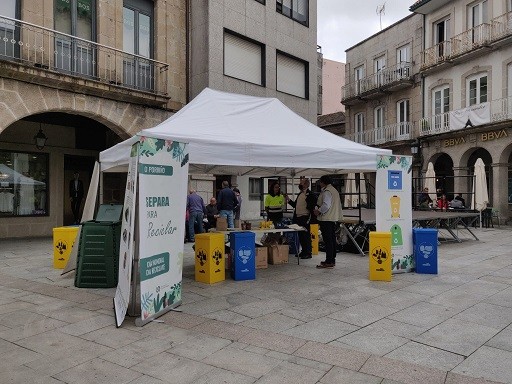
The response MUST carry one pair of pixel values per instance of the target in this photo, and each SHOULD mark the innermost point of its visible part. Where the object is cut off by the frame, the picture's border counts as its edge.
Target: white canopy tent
(241, 135)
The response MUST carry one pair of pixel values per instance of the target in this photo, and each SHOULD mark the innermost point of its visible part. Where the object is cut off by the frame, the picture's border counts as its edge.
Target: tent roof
(238, 134)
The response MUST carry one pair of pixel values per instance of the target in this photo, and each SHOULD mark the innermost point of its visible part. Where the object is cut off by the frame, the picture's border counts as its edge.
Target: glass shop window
(23, 184)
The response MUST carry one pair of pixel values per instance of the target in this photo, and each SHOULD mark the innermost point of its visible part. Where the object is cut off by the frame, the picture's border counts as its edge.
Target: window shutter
(291, 76)
(242, 59)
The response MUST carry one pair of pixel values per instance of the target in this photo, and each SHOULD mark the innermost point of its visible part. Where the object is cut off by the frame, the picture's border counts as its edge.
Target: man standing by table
(196, 210)
(226, 203)
(304, 206)
(329, 213)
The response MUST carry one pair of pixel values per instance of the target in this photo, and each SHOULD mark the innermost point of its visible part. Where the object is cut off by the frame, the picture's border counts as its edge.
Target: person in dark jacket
(227, 203)
(211, 214)
(304, 206)
(76, 194)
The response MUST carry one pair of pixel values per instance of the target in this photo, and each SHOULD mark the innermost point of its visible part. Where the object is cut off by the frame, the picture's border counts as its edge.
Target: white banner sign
(127, 247)
(163, 173)
(474, 115)
(393, 207)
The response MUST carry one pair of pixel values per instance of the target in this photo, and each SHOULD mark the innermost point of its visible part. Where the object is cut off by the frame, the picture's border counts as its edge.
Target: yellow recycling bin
(63, 240)
(210, 261)
(380, 256)
(313, 231)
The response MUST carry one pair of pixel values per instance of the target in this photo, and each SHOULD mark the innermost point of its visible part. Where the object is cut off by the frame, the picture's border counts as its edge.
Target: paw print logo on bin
(426, 250)
(379, 254)
(244, 255)
(201, 257)
(61, 246)
(217, 256)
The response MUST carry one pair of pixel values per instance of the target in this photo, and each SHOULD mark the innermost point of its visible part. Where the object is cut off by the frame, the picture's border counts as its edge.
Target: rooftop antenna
(381, 9)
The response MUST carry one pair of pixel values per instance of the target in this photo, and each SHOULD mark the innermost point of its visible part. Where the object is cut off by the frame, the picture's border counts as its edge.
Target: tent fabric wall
(238, 134)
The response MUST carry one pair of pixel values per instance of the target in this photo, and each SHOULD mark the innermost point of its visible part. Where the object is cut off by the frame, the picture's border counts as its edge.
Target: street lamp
(40, 138)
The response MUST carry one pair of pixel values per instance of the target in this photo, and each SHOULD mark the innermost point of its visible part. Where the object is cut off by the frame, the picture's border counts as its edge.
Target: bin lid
(109, 212)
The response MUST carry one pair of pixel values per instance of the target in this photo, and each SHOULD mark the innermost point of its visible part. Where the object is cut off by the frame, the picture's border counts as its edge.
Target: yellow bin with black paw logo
(63, 241)
(380, 256)
(209, 258)
(313, 231)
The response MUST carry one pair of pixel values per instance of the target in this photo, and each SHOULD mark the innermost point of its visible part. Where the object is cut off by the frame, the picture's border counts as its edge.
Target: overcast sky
(344, 23)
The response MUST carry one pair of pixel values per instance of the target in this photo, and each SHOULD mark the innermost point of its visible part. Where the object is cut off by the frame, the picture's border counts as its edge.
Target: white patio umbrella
(351, 198)
(480, 194)
(430, 181)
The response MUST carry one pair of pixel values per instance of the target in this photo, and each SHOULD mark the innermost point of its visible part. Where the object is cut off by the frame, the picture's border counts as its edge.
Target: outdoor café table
(262, 231)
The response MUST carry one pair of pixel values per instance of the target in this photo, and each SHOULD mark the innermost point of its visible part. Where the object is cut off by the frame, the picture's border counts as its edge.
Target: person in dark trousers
(196, 210)
(227, 203)
(304, 206)
(76, 194)
(238, 208)
(211, 214)
(329, 213)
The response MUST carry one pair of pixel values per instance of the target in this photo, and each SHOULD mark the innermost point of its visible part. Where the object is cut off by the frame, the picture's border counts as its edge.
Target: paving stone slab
(424, 314)
(329, 354)
(242, 362)
(97, 371)
(339, 375)
(363, 314)
(502, 340)
(421, 354)
(457, 336)
(488, 363)
(370, 341)
(272, 341)
(290, 373)
(323, 330)
(401, 371)
(199, 347)
(273, 322)
(491, 315)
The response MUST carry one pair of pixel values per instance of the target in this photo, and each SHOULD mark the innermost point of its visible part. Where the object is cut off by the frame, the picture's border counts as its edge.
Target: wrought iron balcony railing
(383, 78)
(499, 110)
(383, 135)
(51, 50)
(467, 41)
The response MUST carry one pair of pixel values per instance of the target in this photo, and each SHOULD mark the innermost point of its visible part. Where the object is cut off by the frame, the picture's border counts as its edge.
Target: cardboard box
(261, 257)
(238, 224)
(278, 254)
(222, 224)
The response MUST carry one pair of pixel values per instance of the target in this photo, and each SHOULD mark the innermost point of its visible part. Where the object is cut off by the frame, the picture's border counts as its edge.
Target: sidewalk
(293, 324)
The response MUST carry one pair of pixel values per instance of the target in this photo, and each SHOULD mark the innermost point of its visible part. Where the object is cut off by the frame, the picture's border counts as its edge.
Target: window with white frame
(403, 58)
(477, 15)
(403, 118)
(440, 106)
(379, 64)
(243, 58)
(378, 123)
(359, 127)
(477, 89)
(441, 37)
(292, 75)
(358, 76)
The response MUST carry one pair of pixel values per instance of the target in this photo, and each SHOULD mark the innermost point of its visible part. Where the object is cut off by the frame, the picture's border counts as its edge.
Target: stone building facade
(259, 48)
(81, 75)
(466, 66)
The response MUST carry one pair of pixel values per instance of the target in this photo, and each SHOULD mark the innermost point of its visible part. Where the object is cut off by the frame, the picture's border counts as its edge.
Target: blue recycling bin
(243, 255)
(425, 250)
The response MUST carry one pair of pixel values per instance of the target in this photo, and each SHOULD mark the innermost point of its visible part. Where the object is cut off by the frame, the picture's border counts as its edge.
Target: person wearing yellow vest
(274, 203)
(328, 212)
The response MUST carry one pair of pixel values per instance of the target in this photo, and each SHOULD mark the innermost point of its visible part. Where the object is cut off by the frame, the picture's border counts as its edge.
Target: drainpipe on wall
(187, 50)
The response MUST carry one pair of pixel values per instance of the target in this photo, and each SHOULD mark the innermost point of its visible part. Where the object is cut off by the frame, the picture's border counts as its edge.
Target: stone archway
(20, 100)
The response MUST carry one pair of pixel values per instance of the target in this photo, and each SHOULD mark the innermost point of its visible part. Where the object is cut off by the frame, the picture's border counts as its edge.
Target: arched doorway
(443, 166)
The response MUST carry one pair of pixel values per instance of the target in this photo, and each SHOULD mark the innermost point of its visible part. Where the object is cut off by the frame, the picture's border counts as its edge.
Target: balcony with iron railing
(494, 112)
(98, 66)
(383, 135)
(389, 79)
(472, 41)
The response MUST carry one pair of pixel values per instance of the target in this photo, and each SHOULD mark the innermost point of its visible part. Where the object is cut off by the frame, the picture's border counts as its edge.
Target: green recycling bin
(98, 249)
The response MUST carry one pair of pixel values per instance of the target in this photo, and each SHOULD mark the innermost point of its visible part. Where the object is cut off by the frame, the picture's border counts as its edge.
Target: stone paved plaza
(293, 324)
